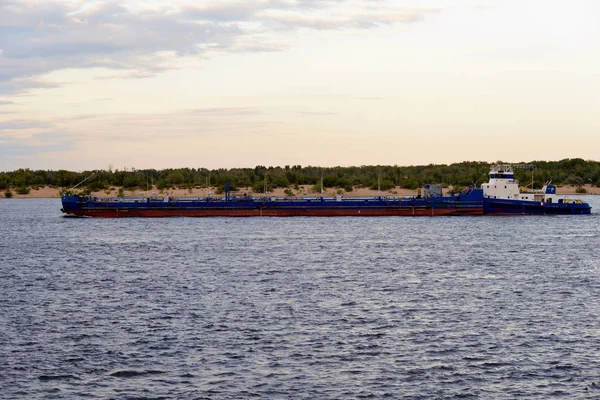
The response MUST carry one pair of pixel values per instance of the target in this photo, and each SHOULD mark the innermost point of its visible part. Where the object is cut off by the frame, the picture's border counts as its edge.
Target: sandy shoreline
(47, 192)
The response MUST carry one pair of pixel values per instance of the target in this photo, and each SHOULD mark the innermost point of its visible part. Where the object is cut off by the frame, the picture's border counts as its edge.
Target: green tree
(576, 171)
(317, 188)
(96, 185)
(162, 184)
(410, 184)
(385, 184)
(575, 180)
(259, 187)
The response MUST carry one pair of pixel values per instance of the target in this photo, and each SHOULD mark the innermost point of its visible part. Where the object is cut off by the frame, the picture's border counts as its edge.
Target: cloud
(39, 37)
(14, 147)
(17, 124)
(317, 113)
(221, 111)
(483, 6)
(37, 143)
(26, 138)
(29, 137)
(12, 82)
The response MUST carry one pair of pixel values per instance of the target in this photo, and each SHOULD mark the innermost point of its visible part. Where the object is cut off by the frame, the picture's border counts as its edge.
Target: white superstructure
(503, 185)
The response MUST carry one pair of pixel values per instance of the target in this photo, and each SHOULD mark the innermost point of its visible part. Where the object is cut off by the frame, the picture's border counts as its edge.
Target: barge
(500, 196)
(469, 203)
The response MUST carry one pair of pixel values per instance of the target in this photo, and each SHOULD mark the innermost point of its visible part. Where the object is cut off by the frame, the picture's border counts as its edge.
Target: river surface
(298, 308)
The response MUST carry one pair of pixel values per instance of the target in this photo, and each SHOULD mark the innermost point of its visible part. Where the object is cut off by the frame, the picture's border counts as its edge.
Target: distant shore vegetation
(574, 171)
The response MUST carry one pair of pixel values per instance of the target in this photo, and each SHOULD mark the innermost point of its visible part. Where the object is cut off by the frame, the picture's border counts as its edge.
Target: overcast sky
(149, 84)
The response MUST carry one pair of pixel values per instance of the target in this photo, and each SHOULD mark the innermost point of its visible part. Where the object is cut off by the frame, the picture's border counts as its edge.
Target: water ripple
(412, 308)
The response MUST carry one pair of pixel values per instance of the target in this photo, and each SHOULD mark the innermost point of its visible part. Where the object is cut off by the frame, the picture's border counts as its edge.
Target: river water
(299, 308)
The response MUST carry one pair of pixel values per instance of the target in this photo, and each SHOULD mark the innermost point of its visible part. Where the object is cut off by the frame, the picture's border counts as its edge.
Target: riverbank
(53, 192)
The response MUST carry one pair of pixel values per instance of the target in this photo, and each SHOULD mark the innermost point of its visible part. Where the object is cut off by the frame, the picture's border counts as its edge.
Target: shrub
(317, 188)
(575, 180)
(96, 186)
(580, 190)
(410, 184)
(383, 185)
(23, 190)
(288, 192)
(176, 177)
(121, 193)
(161, 185)
(8, 194)
(259, 187)
(280, 181)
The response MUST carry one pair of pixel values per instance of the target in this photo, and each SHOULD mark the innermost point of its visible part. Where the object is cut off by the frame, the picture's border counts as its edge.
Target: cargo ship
(500, 196)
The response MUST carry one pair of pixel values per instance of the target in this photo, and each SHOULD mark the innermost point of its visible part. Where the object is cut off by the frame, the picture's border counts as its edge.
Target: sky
(162, 84)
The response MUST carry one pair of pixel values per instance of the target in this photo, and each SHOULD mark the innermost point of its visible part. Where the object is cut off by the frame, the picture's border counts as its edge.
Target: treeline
(573, 171)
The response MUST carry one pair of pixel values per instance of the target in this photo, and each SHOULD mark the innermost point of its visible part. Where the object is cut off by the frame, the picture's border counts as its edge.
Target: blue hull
(520, 207)
(464, 204)
(471, 203)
